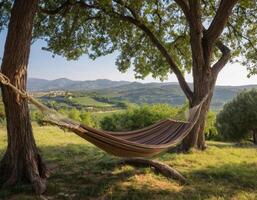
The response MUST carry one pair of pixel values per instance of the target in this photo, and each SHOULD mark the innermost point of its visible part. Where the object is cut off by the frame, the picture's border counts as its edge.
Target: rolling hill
(39, 85)
(133, 92)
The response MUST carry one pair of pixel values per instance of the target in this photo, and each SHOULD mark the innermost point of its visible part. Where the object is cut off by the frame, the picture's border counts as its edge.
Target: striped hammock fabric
(145, 142)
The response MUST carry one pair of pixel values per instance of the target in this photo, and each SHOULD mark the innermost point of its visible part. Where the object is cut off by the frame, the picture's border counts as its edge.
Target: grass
(88, 101)
(81, 171)
(103, 114)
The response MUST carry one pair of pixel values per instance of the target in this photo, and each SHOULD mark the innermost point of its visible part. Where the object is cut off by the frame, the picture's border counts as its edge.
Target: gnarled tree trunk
(202, 42)
(203, 87)
(196, 137)
(21, 161)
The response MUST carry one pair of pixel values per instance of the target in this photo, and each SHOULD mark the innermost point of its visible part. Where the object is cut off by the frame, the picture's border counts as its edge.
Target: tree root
(30, 170)
(203, 147)
(180, 149)
(159, 167)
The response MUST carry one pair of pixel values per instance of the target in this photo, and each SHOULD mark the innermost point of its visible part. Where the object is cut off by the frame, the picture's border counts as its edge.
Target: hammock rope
(145, 142)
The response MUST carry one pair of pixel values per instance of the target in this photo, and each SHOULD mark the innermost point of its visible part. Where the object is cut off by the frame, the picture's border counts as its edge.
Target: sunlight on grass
(88, 101)
(82, 171)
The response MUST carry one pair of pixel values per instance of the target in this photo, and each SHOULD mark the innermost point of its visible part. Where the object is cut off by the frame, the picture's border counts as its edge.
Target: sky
(43, 65)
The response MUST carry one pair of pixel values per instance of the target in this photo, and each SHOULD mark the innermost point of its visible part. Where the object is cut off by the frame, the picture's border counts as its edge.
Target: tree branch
(135, 21)
(196, 31)
(88, 6)
(1, 4)
(185, 8)
(132, 11)
(185, 87)
(223, 59)
(236, 32)
(220, 20)
(56, 10)
(161, 168)
(65, 5)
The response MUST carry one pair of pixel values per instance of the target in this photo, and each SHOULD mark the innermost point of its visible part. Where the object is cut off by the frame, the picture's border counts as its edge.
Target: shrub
(238, 119)
(86, 118)
(37, 116)
(74, 114)
(2, 114)
(210, 130)
(138, 117)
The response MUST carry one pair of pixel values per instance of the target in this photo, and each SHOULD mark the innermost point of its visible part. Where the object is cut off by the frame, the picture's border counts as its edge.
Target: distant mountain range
(39, 85)
(134, 92)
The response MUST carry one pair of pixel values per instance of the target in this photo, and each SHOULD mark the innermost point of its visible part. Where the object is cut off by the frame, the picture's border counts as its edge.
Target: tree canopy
(139, 30)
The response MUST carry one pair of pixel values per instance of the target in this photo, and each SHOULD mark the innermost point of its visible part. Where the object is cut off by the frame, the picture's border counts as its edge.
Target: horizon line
(161, 82)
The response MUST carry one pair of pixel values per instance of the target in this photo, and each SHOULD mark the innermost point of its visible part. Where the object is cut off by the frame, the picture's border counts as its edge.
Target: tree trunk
(196, 137)
(21, 161)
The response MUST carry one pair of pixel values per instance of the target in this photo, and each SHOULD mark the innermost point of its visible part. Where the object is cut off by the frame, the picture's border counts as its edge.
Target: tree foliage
(87, 119)
(5, 7)
(74, 114)
(210, 129)
(238, 119)
(97, 28)
(2, 114)
(138, 117)
(81, 116)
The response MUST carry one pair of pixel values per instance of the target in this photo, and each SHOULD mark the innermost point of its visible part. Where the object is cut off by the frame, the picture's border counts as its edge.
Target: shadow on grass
(85, 172)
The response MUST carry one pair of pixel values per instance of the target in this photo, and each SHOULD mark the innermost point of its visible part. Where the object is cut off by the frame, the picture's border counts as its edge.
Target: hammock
(144, 142)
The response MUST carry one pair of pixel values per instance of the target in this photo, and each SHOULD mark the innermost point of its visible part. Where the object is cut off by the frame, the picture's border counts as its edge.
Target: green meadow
(79, 170)
(88, 101)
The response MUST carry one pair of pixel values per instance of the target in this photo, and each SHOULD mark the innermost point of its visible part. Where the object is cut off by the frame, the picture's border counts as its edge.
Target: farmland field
(88, 101)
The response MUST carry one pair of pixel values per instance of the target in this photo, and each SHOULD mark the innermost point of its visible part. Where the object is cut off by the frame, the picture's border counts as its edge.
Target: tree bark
(159, 167)
(202, 42)
(21, 161)
(203, 87)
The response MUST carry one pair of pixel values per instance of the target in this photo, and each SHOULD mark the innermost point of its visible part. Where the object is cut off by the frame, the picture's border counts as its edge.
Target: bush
(74, 114)
(238, 119)
(138, 117)
(86, 118)
(37, 116)
(210, 130)
(81, 116)
(2, 114)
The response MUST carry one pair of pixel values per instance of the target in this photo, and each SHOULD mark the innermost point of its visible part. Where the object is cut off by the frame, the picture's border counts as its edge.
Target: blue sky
(43, 65)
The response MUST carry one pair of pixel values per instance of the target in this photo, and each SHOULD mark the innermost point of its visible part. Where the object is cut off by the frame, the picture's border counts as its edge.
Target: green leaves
(138, 117)
(5, 11)
(238, 118)
(98, 28)
(101, 31)
(241, 34)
